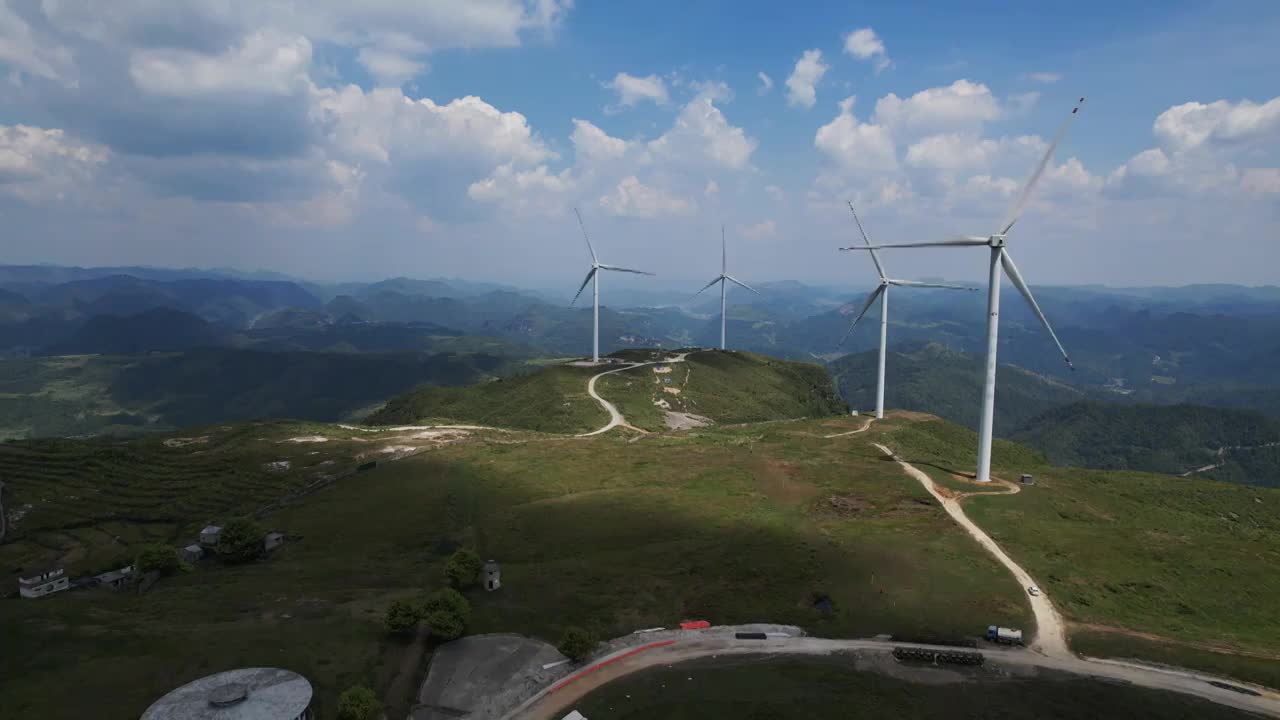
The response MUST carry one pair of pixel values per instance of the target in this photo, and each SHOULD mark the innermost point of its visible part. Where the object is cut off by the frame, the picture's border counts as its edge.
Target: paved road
(1050, 633)
(547, 705)
(616, 418)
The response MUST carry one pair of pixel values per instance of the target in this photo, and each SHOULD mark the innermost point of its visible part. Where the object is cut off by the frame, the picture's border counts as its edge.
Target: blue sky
(340, 140)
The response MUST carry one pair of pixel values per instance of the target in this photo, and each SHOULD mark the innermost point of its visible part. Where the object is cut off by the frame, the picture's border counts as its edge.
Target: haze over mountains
(269, 343)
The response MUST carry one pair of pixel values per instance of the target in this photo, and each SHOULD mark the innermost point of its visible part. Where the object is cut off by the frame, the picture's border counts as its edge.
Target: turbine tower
(594, 275)
(1000, 258)
(722, 279)
(882, 292)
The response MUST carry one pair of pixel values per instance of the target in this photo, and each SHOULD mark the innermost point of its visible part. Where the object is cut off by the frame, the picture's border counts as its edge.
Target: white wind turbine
(1000, 258)
(722, 279)
(882, 292)
(594, 274)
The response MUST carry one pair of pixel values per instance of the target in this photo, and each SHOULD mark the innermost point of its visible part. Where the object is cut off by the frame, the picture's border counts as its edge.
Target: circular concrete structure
(246, 694)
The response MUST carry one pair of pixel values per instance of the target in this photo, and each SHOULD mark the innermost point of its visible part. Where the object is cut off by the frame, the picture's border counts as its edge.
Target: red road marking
(597, 666)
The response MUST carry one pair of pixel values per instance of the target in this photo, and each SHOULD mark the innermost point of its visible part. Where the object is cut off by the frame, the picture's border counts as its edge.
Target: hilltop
(699, 386)
(802, 522)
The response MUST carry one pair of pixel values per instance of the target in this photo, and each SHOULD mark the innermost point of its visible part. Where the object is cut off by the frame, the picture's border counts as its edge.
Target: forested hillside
(1234, 445)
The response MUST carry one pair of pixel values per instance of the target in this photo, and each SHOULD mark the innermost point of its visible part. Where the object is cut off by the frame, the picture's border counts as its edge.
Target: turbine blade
(913, 283)
(594, 259)
(724, 253)
(590, 274)
(871, 299)
(615, 268)
(1012, 271)
(1038, 172)
(949, 242)
(874, 257)
(736, 281)
(704, 287)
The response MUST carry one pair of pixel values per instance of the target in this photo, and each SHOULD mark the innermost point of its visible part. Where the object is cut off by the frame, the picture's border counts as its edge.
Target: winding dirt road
(616, 419)
(1051, 639)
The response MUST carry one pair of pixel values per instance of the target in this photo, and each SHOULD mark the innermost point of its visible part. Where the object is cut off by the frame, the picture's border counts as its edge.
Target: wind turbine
(882, 292)
(594, 274)
(722, 279)
(1000, 258)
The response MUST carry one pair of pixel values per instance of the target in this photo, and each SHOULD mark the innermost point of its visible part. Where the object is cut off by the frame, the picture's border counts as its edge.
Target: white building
(492, 576)
(44, 582)
(209, 536)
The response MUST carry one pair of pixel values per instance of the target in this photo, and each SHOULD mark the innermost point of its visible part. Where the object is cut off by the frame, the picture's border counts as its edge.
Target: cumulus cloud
(864, 44)
(766, 83)
(1193, 124)
(960, 104)
(592, 143)
(854, 145)
(263, 63)
(633, 90)
(42, 164)
(31, 52)
(631, 198)
(702, 134)
(804, 78)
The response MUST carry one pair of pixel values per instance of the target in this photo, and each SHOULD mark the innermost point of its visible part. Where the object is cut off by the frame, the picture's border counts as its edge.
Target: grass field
(731, 525)
(554, 399)
(1178, 558)
(840, 686)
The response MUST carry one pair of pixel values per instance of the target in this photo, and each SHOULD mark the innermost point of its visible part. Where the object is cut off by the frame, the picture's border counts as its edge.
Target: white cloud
(960, 104)
(393, 60)
(631, 198)
(712, 188)
(803, 81)
(633, 90)
(43, 164)
(969, 151)
(857, 146)
(701, 133)
(30, 52)
(593, 143)
(264, 63)
(1044, 78)
(529, 191)
(760, 230)
(766, 84)
(864, 44)
(1190, 125)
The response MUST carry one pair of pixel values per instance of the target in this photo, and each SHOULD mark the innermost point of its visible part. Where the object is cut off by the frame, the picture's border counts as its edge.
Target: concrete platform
(483, 676)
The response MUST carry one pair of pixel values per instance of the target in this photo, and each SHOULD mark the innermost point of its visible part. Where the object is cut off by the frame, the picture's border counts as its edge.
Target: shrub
(576, 643)
(156, 558)
(402, 617)
(445, 625)
(463, 569)
(448, 600)
(240, 540)
(358, 703)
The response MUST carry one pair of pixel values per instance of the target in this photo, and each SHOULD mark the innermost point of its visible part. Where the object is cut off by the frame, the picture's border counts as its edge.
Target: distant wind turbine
(882, 292)
(1000, 258)
(722, 279)
(594, 274)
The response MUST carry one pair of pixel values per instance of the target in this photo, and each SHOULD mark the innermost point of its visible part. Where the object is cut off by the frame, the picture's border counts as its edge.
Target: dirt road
(1050, 633)
(548, 705)
(616, 418)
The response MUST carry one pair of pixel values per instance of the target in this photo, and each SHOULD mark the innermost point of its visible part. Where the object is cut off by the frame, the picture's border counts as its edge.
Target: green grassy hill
(750, 522)
(1234, 445)
(948, 383)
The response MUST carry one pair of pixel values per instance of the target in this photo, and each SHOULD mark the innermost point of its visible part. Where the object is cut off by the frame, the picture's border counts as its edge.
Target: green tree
(240, 540)
(445, 625)
(358, 703)
(402, 617)
(448, 600)
(463, 568)
(576, 643)
(156, 558)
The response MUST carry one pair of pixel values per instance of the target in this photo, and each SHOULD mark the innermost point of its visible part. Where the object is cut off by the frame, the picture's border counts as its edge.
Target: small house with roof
(209, 536)
(43, 583)
(116, 579)
(191, 553)
(272, 540)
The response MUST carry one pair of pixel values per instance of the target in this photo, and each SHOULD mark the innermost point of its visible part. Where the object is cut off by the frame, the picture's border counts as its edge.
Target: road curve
(1050, 630)
(616, 418)
(556, 699)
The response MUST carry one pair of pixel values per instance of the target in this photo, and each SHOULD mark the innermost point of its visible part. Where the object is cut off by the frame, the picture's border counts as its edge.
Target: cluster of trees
(445, 611)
